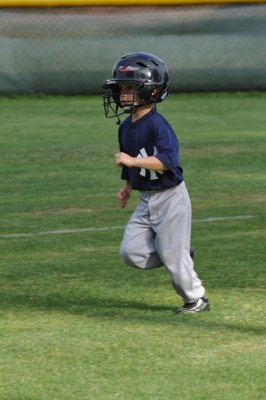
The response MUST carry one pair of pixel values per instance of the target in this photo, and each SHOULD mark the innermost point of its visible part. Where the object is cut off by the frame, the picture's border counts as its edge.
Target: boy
(158, 232)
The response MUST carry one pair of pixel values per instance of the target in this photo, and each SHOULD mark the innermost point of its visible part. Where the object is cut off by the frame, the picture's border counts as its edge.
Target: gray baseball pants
(158, 233)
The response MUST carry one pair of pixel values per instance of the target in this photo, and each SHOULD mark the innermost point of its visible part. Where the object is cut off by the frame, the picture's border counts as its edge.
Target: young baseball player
(158, 232)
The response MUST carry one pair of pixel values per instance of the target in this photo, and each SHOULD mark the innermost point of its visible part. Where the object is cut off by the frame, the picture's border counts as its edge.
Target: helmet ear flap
(153, 95)
(163, 92)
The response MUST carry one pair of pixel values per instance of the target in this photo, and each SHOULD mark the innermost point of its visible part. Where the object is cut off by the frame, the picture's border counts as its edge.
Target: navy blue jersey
(150, 135)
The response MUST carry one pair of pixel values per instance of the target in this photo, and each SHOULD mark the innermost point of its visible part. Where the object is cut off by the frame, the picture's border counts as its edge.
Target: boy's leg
(138, 245)
(170, 213)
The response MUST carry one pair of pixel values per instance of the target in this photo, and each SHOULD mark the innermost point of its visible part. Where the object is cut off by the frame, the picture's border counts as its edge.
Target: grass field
(75, 323)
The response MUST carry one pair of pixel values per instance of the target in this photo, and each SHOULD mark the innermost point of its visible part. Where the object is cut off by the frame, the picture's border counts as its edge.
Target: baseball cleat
(191, 308)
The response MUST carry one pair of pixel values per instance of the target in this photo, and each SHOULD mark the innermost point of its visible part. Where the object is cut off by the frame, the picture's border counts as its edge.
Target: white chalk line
(112, 228)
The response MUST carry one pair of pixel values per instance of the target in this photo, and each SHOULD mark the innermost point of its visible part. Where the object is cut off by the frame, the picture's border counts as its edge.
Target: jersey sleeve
(167, 146)
(124, 173)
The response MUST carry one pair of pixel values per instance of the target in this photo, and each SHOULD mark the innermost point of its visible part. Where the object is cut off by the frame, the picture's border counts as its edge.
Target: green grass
(75, 323)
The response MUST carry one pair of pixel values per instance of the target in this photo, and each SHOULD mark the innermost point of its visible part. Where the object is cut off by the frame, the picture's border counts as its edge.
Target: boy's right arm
(124, 194)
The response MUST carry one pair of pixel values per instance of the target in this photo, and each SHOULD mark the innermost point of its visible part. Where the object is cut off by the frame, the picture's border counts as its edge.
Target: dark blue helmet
(145, 70)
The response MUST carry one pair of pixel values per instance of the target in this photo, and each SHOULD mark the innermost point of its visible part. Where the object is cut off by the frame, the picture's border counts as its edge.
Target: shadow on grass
(116, 309)
(89, 305)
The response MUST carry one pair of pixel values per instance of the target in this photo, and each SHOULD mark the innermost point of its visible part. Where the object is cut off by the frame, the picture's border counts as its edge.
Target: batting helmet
(147, 71)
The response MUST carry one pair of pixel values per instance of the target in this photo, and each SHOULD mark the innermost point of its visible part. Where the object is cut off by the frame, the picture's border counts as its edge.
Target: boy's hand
(123, 196)
(124, 159)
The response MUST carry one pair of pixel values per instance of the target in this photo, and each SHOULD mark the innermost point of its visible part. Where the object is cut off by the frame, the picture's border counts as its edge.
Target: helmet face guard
(112, 99)
(147, 72)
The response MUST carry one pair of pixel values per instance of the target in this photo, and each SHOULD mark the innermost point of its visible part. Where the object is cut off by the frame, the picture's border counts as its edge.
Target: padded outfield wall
(72, 50)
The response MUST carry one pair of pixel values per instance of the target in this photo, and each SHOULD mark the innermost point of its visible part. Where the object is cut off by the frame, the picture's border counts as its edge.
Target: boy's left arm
(151, 163)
